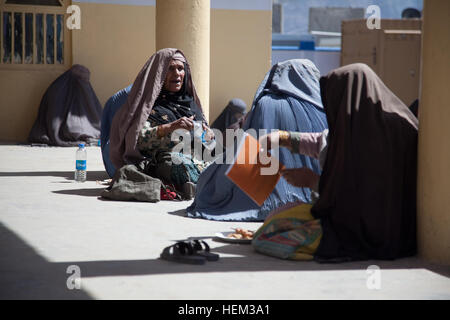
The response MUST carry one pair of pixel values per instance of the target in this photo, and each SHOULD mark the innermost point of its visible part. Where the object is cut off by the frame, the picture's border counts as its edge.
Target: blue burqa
(111, 106)
(287, 99)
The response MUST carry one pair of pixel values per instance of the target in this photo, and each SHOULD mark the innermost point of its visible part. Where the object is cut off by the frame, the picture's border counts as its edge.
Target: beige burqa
(131, 117)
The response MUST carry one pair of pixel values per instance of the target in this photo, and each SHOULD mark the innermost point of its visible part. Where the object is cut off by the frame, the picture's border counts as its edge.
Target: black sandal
(182, 253)
(201, 248)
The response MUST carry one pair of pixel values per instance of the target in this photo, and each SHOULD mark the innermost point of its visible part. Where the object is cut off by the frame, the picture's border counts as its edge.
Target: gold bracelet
(284, 136)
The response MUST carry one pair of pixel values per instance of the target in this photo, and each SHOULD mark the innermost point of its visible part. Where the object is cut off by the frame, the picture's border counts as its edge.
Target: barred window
(33, 33)
(36, 2)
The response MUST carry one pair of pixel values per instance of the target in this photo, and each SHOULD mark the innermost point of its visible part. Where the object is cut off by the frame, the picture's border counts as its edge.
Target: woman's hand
(268, 140)
(182, 123)
(301, 177)
(209, 135)
(280, 138)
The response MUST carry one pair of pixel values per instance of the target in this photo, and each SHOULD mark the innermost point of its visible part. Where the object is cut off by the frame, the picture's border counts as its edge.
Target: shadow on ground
(24, 274)
(180, 213)
(82, 192)
(68, 175)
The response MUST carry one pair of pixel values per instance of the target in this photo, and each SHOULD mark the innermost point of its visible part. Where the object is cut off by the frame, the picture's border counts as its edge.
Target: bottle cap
(81, 145)
(203, 136)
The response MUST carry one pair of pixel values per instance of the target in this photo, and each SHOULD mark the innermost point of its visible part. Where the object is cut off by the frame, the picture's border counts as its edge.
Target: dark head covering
(171, 106)
(368, 185)
(130, 119)
(69, 112)
(232, 113)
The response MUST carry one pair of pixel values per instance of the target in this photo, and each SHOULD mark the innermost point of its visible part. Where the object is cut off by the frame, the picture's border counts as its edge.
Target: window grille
(33, 33)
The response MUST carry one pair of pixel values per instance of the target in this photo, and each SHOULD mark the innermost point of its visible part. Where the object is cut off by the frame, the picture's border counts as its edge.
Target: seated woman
(111, 106)
(232, 117)
(234, 112)
(287, 99)
(162, 99)
(367, 191)
(69, 112)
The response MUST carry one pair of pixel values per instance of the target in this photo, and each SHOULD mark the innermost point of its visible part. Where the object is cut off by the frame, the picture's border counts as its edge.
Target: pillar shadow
(82, 192)
(246, 261)
(68, 175)
(180, 213)
(24, 274)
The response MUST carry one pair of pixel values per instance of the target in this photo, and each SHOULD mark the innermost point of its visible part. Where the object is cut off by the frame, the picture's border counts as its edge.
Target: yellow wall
(116, 40)
(20, 95)
(240, 51)
(22, 86)
(240, 55)
(114, 43)
(434, 135)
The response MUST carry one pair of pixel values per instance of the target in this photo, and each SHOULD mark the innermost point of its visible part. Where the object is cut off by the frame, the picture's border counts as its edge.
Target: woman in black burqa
(69, 112)
(233, 113)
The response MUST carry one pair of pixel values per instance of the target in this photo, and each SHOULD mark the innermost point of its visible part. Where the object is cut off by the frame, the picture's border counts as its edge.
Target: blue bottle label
(81, 164)
(203, 136)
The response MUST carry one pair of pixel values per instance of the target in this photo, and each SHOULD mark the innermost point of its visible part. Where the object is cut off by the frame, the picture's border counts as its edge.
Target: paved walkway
(49, 223)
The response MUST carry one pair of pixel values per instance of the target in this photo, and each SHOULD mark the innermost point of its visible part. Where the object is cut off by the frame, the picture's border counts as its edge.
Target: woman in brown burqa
(367, 189)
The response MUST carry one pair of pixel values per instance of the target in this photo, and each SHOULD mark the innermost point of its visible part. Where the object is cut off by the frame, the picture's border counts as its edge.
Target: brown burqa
(130, 118)
(368, 185)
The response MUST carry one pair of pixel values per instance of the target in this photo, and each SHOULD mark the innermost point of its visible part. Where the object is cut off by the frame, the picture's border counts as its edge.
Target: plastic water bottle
(200, 135)
(198, 130)
(80, 163)
(209, 144)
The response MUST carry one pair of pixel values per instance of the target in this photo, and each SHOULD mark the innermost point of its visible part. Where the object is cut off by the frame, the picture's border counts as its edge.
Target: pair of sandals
(190, 252)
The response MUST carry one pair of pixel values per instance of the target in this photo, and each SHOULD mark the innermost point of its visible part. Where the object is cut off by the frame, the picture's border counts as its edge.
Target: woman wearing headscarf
(69, 112)
(367, 191)
(287, 99)
(162, 99)
(232, 117)
(233, 113)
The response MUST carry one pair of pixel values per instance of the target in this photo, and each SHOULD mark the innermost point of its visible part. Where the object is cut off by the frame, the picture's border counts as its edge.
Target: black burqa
(414, 107)
(69, 112)
(367, 189)
(233, 113)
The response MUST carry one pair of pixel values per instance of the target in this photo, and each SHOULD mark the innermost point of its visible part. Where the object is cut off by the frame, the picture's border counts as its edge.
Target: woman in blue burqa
(287, 99)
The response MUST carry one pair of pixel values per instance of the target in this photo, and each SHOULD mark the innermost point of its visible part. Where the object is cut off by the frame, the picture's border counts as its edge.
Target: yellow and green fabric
(292, 234)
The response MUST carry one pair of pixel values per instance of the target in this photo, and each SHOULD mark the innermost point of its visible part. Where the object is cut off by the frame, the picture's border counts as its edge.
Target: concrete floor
(49, 222)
